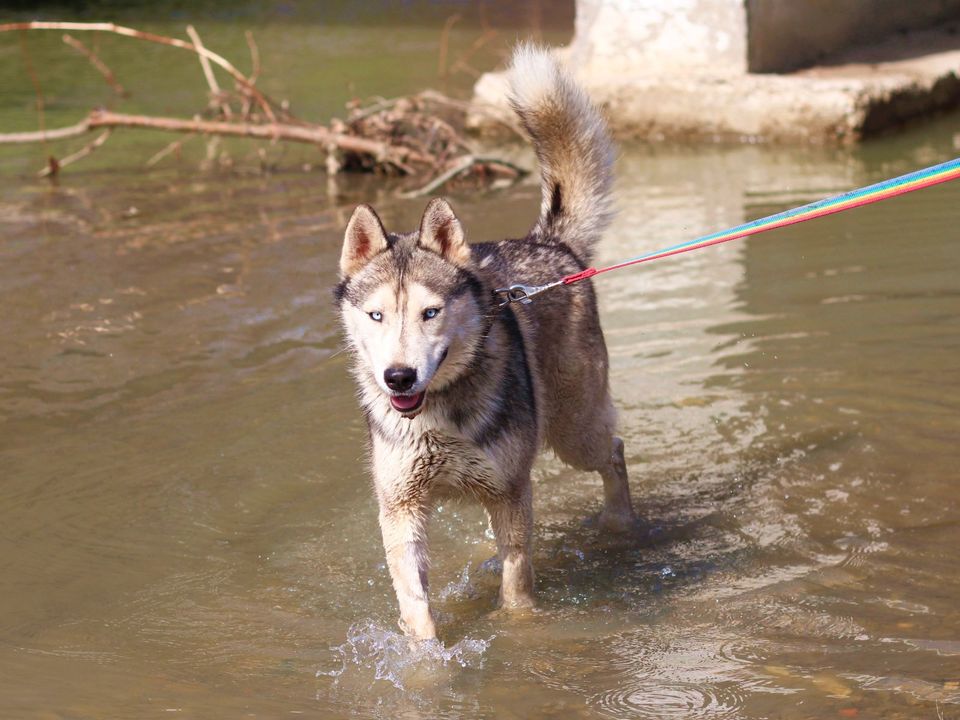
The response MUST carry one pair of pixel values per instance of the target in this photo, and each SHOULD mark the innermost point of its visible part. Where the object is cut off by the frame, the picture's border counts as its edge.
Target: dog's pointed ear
(365, 237)
(441, 232)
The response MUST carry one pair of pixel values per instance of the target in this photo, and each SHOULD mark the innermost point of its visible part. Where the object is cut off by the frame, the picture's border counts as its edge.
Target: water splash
(461, 589)
(398, 659)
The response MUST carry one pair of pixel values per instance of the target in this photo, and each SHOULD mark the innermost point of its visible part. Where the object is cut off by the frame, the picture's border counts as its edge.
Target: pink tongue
(405, 402)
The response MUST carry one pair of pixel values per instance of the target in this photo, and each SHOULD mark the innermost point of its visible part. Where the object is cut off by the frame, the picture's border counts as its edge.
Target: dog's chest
(433, 464)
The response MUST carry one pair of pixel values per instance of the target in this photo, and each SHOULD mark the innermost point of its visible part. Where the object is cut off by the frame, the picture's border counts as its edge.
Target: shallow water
(186, 525)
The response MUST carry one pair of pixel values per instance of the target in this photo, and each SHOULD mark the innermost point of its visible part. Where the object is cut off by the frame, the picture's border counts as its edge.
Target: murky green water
(186, 525)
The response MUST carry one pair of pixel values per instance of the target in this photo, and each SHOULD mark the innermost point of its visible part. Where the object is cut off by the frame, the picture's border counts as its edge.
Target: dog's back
(562, 328)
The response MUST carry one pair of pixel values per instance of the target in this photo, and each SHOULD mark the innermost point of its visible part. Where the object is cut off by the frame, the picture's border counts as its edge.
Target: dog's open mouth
(407, 404)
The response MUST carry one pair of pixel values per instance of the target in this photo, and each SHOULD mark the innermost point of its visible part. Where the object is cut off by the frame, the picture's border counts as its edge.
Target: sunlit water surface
(186, 522)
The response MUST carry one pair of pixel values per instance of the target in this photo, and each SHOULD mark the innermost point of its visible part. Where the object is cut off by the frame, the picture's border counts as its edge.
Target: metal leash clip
(523, 293)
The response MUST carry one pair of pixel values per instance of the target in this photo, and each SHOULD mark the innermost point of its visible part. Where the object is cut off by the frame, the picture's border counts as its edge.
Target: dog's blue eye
(430, 313)
(376, 315)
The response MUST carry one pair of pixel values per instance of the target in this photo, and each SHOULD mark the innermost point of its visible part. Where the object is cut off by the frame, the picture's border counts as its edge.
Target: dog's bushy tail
(573, 147)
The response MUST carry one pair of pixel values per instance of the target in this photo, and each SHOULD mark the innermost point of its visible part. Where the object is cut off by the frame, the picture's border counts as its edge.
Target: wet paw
(505, 613)
(421, 627)
(517, 602)
(620, 522)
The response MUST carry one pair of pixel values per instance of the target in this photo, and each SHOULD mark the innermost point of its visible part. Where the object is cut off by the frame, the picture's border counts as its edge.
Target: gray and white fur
(459, 394)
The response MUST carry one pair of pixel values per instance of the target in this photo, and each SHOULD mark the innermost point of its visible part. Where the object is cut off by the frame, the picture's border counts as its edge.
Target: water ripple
(686, 700)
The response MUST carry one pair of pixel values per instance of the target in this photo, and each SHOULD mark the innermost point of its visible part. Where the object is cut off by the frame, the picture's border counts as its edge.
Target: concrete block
(689, 84)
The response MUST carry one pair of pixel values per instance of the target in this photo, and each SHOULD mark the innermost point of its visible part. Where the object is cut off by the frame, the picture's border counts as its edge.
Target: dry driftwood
(420, 135)
(314, 134)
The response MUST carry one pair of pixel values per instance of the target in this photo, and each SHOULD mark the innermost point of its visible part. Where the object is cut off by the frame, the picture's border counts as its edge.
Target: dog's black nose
(400, 379)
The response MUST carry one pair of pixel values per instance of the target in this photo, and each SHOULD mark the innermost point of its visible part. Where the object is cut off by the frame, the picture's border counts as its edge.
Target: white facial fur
(403, 337)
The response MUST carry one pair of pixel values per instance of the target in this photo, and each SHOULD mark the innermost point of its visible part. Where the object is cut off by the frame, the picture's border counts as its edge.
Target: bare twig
(254, 75)
(459, 168)
(149, 37)
(445, 43)
(97, 63)
(490, 111)
(462, 166)
(38, 91)
(217, 94)
(437, 98)
(53, 167)
(254, 57)
(167, 149)
(211, 159)
(380, 105)
(462, 61)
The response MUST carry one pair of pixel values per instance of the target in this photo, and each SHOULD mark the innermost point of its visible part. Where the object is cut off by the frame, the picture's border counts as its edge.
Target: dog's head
(412, 310)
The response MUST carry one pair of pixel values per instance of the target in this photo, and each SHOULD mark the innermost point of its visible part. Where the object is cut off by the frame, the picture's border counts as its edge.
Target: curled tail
(573, 147)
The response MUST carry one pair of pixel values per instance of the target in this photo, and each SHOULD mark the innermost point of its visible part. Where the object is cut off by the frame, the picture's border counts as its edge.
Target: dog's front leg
(511, 520)
(405, 541)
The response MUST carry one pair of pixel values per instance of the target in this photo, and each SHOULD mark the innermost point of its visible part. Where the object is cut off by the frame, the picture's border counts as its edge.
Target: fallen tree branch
(149, 37)
(315, 135)
(32, 136)
(419, 135)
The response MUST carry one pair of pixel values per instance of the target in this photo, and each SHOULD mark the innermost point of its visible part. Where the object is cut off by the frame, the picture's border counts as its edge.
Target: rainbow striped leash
(846, 201)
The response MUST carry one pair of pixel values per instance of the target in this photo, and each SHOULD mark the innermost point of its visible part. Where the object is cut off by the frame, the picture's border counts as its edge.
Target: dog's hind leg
(617, 514)
(512, 523)
(582, 434)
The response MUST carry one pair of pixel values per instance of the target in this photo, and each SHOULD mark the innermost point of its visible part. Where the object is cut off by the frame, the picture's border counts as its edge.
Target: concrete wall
(659, 37)
(785, 35)
(735, 36)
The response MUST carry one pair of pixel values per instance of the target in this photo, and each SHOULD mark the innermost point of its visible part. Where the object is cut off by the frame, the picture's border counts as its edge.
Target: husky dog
(459, 394)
